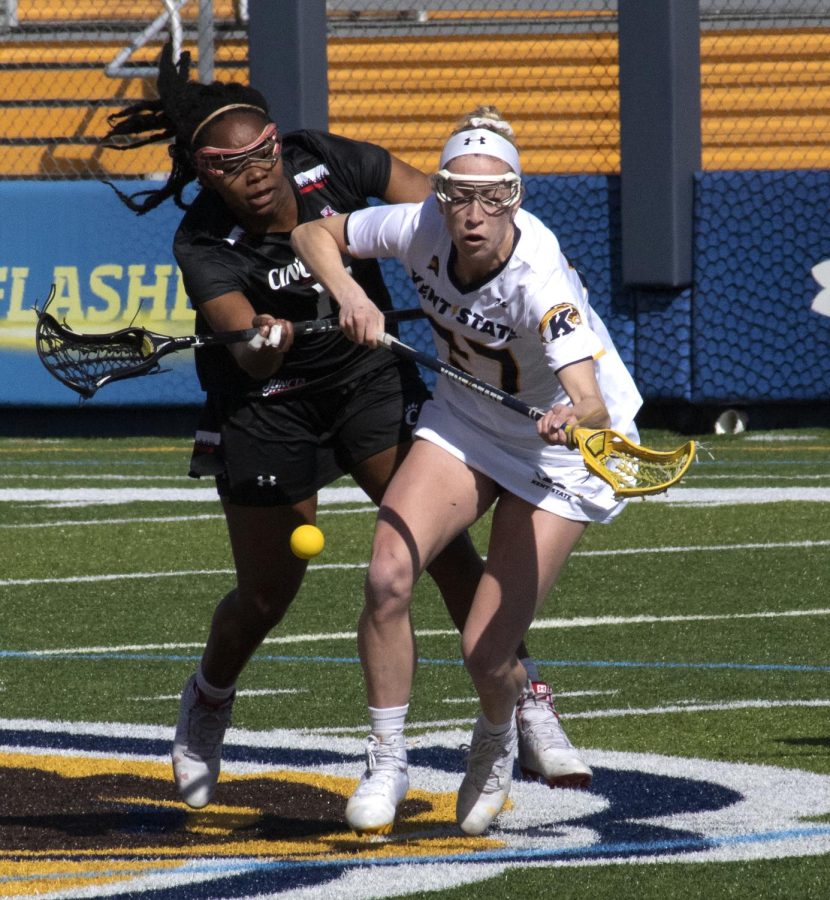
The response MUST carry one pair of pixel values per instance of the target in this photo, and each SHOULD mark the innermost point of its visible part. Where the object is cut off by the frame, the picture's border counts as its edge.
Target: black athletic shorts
(271, 453)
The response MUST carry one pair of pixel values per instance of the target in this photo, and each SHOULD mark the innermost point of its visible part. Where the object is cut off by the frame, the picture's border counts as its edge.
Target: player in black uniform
(282, 421)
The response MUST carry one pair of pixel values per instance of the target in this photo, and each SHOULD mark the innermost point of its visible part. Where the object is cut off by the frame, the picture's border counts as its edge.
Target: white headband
(483, 141)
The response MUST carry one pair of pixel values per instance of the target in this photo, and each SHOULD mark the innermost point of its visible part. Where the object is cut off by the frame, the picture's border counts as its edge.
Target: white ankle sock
(388, 720)
(495, 730)
(209, 692)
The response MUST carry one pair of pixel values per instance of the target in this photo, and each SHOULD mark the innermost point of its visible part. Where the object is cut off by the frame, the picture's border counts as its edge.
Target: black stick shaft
(460, 377)
(311, 326)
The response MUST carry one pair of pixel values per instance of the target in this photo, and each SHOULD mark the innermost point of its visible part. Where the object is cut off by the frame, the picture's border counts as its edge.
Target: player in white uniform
(528, 320)
(506, 306)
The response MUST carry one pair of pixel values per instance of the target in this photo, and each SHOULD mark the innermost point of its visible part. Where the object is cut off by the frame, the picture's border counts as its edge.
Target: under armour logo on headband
(480, 141)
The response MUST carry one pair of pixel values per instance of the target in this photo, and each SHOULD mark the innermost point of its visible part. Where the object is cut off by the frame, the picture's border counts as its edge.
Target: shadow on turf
(806, 742)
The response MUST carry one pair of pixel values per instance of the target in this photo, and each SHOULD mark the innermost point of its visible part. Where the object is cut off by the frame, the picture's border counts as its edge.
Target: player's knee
(486, 663)
(260, 608)
(389, 583)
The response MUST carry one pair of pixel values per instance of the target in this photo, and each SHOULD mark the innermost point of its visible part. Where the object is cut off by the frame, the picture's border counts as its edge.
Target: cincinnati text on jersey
(463, 315)
(281, 385)
(295, 272)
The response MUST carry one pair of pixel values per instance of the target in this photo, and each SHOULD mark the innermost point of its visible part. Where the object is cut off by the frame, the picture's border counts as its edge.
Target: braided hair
(181, 110)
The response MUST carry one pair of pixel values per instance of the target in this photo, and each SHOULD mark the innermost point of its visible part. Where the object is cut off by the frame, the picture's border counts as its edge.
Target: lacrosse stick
(632, 470)
(86, 362)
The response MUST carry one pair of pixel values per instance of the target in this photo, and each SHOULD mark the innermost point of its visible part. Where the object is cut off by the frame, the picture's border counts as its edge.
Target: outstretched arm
(320, 245)
(233, 312)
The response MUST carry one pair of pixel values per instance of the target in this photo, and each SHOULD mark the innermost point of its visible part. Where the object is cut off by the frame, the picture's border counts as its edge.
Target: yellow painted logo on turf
(75, 823)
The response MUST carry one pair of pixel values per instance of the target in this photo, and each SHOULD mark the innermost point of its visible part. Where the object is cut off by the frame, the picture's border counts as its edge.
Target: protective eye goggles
(499, 191)
(264, 151)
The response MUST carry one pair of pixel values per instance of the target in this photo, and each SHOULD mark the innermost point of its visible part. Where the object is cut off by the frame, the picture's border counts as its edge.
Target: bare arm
(588, 408)
(232, 312)
(406, 184)
(320, 245)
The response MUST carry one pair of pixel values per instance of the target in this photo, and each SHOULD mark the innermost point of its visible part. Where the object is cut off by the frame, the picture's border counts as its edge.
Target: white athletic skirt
(551, 478)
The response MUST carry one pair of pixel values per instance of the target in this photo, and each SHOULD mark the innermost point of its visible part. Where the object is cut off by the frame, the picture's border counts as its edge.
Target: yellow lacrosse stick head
(631, 469)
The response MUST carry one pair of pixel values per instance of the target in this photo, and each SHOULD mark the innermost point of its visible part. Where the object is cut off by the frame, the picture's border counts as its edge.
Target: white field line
(112, 496)
(302, 737)
(694, 707)
(252, 692)
(128, 576)
(138, 520)
(740, 476)
(74, 476)
(705, 548)
(742, 496)
(351, 636)
(559, 695)
(645, 620)
(63, 497)
(623, 551)
(783, 437)
(144, 520)
(613, 713)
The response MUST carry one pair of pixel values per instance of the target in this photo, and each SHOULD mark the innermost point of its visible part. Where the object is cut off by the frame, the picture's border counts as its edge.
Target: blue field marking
(610, 851)
(633, 664)
(121, 656)
(83, 656)
(106, 744)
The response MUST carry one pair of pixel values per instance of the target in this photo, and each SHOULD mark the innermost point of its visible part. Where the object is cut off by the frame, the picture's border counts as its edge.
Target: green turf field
(687, 645)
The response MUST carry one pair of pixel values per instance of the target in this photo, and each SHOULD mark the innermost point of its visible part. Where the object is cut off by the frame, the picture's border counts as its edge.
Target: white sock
(388, 720)
(530, 667)
(209, 692)
(495, 730)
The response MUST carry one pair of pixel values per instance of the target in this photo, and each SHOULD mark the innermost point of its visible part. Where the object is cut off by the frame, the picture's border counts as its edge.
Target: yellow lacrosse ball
(307, 541)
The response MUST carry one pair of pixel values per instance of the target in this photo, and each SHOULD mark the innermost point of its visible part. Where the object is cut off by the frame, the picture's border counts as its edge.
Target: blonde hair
(487, 117)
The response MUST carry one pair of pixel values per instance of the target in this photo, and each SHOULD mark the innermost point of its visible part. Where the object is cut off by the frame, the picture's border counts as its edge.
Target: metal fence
(402, 71)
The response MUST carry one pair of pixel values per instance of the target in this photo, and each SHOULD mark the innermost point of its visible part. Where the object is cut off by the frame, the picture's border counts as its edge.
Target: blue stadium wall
(753, 329)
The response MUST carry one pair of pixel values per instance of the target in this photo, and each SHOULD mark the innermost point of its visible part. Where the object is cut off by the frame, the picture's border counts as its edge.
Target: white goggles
(500, 191)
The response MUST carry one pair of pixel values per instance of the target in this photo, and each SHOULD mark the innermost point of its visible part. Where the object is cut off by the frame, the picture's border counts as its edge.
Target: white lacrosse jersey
(526, 322)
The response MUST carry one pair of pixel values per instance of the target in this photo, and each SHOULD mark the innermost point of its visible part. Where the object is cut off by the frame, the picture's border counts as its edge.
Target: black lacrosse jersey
(329, 174)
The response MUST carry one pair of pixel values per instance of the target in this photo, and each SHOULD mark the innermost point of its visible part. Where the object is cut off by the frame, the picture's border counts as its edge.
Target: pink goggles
(264, 151)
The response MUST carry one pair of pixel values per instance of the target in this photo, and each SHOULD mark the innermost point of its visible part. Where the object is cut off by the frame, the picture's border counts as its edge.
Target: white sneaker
(197, 746)
(485, 787)
(371, 808)
(545, 753)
